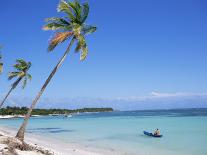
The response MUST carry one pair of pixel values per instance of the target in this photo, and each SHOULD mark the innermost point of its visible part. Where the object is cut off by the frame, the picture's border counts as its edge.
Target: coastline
(15, 116)
(48, 145)
(11, 116)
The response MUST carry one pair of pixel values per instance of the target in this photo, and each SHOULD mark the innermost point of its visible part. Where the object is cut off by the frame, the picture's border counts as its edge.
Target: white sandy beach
(11, 116)
(15, 116)
(49, 145)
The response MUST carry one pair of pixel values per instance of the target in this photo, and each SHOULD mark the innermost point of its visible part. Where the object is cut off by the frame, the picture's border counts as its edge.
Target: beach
(49, 146)
(103, 77)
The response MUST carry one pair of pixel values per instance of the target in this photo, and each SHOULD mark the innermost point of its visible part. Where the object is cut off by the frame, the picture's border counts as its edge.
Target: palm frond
(58, 20)
(59, 38)
(88, 29)
(82, 47)
(76, 7)
(24, 83)
(12, 75)
(26, 77)
(81, 43)
(21, 65)
(64, 7)
(55, 23)
(85, 12)
(84, 53)
(29, 64)
(21, 61)
(53, 26)
(29, 76)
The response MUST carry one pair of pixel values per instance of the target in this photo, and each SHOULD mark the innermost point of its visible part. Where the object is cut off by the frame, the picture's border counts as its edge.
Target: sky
(142, 48)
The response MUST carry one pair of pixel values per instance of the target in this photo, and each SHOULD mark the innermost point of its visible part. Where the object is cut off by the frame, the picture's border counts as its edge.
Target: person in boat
(157, 132)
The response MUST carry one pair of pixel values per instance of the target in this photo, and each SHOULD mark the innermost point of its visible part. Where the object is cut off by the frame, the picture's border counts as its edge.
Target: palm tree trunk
(6, 97)
(20, 133)
(13, 87)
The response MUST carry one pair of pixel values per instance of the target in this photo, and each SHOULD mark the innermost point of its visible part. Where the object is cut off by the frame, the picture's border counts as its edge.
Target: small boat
(151, 134)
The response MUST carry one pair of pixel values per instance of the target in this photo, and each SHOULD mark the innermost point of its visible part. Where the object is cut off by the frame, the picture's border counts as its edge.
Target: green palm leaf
(64, 7)
(76, 7)
(71, 26)
(85, 12)
(57, 20)
(29, 76)
(84, 53)
(12, 75)
(88, 29)
(57, 24)
(53, 26)
(21, 72)
(81, 43)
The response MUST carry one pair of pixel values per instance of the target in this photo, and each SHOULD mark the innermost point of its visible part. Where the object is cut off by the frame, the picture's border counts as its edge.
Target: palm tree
(71, 27)
(21, 73)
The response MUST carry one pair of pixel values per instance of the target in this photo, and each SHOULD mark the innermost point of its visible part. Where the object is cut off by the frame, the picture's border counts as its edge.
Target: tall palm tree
(70, 27)
(21, 73)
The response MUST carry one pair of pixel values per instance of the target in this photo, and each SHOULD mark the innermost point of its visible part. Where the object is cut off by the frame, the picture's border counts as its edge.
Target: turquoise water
(185, 131)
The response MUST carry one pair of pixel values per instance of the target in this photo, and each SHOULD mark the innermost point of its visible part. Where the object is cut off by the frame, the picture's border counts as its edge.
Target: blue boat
(151, 134)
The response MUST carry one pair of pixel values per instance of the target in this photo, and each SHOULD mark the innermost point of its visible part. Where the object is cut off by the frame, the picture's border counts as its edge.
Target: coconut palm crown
(71, 26)
(21, 73)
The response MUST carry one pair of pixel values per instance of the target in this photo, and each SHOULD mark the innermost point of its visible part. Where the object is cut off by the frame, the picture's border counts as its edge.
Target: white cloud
(177, 94)
(154, 100)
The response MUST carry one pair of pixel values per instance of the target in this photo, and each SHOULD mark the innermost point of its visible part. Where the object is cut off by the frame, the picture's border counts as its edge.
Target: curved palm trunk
(20, 133)
(13, 87)
(6, 97)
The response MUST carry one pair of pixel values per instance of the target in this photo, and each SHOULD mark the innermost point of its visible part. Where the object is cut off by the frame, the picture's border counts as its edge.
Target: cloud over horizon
(155, 100)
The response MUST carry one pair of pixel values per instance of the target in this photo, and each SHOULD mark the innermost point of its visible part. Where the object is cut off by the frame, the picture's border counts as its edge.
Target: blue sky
(141, 46)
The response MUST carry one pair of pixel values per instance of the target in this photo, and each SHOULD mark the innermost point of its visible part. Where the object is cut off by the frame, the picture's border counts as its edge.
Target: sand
(49, 147)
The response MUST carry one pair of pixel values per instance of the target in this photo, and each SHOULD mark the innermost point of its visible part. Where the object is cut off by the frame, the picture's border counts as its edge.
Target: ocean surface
(184, 131)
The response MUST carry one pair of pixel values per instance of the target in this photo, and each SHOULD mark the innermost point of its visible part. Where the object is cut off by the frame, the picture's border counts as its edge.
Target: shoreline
(15, 116)
(11, 116)
(49, 145)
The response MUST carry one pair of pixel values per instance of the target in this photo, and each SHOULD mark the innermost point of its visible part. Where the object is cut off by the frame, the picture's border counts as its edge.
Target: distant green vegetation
(23, 111)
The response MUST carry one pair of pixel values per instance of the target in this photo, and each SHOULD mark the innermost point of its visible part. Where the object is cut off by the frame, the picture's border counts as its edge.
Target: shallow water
(184, 131)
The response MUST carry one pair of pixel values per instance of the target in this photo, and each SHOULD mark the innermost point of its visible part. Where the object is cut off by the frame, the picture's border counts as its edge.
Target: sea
(184, 131)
